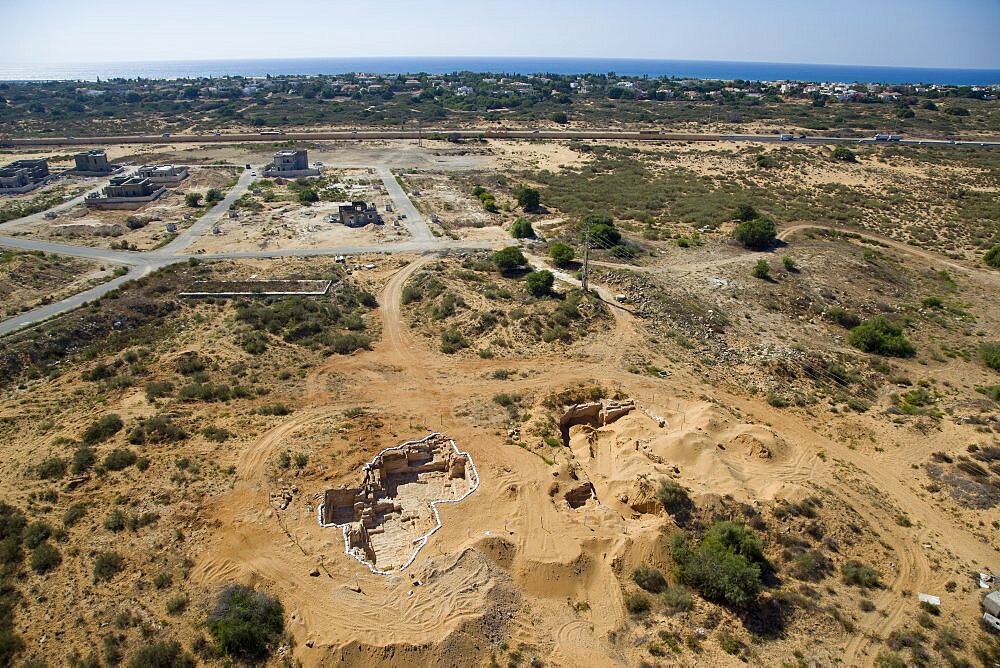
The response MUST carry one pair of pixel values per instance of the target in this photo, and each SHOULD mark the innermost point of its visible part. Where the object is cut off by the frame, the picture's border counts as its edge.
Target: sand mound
(702, 445)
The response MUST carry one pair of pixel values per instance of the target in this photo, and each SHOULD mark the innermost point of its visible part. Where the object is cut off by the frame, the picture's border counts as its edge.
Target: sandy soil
(516, 571)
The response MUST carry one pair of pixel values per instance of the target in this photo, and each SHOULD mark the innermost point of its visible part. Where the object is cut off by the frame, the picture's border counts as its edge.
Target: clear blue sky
(919, 33)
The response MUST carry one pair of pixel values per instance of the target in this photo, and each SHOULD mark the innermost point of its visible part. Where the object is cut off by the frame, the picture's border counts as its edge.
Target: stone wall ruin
(391, 514)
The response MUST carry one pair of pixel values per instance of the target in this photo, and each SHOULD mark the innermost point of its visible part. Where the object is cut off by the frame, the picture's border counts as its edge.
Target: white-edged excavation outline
(422, 540)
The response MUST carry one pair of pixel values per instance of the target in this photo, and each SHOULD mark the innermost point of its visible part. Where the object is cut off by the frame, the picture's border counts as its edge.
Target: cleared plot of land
(278, 213)
(28, 280)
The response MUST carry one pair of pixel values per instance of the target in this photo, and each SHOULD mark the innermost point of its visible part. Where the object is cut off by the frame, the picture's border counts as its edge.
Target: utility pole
(584, 283)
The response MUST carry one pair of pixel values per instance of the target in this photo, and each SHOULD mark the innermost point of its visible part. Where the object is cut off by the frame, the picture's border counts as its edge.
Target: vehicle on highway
(248, 165)
(786, 137)
(895, 138)
(802, 136)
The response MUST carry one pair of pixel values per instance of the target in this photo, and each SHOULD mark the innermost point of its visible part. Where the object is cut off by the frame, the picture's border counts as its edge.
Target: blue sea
(695, 69)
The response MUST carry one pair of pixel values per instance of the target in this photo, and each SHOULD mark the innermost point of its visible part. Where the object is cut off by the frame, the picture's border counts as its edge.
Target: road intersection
(143, 263)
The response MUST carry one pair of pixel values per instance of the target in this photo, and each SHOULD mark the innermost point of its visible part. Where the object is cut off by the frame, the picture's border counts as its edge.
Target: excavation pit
(393, 512)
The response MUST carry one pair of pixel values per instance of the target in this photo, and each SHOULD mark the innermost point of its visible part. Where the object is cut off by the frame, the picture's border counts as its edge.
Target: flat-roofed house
(93, 163)
(290, 163)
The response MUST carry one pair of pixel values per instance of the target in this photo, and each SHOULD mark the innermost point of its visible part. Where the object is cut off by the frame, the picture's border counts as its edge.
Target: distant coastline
(695, 69)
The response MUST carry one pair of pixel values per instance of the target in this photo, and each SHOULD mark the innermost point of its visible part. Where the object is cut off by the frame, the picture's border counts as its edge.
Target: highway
(467, 133)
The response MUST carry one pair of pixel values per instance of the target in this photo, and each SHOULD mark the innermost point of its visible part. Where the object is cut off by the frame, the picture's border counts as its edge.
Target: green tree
(560, 117)
(529, 199)
(214, 195)
(725, 566)
(192, 199)
(745, 212)
(539, 283)
(756, 234)
(602, 230)
(562, 254)
(509, 259)
(521, 229)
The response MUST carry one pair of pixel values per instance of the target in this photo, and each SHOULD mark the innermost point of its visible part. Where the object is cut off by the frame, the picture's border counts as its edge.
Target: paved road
(200, 226)
(70, 303)
(68, 204)
(415, 221)
(143, 263)
(487, 133)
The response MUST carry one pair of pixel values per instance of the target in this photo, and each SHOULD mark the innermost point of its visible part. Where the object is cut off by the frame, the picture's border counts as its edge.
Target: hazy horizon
(890, 33)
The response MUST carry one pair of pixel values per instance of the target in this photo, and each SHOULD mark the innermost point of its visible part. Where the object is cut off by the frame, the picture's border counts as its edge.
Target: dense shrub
(725, 566)
(676, 598)
(83, 459)
(855, 573)
(51, 469)
(844, 154)
(176, 604)
(107, 565)
(211, 392)
(115, 521)
(521, 229)
(992, 256)
(245, 623)
(254, 343)
(761, 270)
(757, 234)
(509, 259)
(842, 317)
(989, 353)
(745, 213)
(637, 603)
(539, 283)
(44, 558)
(189, 364)
(673, 497)
(810, 565)
(274, 409)
(162, 654)
(119, 458)
(529, 199)
(561, 254)
(452, 341)
(881, 336)
(102, 429)
(74, 513)
(216, 434)
(649, 578)
(157, 389)
(35, 534)
(601, 230)
(156, 429)
(313, 322)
